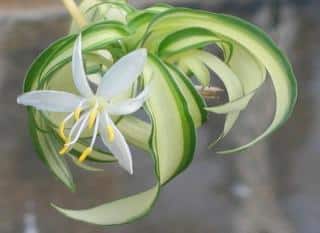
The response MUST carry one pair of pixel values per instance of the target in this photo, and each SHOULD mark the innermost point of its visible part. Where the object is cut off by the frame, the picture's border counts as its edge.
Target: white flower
(94, 110)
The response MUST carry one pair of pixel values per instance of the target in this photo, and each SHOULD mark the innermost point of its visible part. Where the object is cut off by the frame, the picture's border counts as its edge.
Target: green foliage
(176, 39)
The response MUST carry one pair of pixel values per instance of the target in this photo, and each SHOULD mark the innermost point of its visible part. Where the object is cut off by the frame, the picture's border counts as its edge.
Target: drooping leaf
(195, 102)
(47, 150)
(179, 47)
(136, 131)
(251, 38)
(231, 82)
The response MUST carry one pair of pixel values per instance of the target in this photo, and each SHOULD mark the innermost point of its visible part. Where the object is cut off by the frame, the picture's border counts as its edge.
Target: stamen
(61, 131)
(78, 110)
(110, 133)
(77, 113)
(64, 149)
(62, 127)
(85, 154)
(93, 115)
(68, 142)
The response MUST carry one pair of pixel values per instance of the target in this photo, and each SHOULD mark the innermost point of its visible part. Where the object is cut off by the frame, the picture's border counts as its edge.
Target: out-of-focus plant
(179, 66)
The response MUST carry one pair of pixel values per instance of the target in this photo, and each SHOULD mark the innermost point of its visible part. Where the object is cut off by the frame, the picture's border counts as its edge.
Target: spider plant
(179, 65)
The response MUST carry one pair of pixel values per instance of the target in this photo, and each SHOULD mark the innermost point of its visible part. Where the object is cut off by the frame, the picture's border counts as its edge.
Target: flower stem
(75, 12)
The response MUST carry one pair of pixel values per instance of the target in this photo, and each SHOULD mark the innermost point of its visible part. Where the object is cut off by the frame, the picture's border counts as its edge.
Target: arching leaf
(251, 38)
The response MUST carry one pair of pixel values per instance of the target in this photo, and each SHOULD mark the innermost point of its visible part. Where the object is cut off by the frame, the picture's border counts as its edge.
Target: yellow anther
(64, 149)
(85, 154)
(92, 118)
(61, 131)
(77, 113)
(110, 132)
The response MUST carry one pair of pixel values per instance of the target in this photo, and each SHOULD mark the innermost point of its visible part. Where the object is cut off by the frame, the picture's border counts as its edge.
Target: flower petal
(53, 101)
(122, 74)
(129, 106)
(118, 147)
(79, 75)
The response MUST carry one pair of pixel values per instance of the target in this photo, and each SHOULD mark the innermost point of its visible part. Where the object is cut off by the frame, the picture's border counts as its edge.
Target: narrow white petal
(118, 147)
(121, 75)
(53, 101)
(129, 106)
(79, 75)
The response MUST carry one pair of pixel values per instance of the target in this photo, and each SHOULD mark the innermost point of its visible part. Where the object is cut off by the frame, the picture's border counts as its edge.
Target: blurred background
(271, 188)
